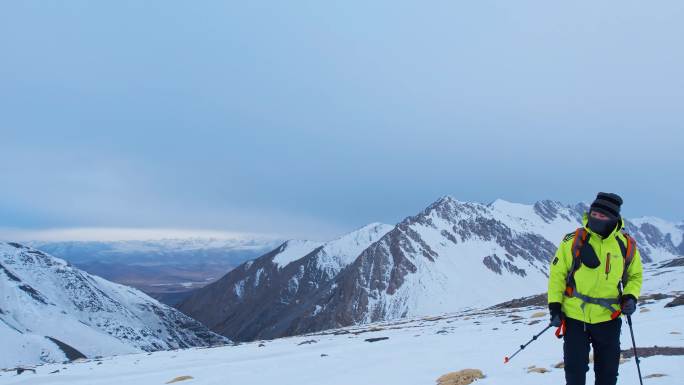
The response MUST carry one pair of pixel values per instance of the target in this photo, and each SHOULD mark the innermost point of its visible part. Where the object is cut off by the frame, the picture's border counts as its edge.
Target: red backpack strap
(578, 242)
(581, 237)
(630, 250)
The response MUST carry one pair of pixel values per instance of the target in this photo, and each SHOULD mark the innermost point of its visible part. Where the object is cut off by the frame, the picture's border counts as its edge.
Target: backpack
(581, 237)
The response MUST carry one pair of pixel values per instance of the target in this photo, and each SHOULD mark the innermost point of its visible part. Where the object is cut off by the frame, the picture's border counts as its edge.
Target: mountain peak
(446, 202)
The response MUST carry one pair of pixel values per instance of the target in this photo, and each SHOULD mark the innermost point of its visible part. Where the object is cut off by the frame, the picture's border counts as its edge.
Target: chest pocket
(612, 266)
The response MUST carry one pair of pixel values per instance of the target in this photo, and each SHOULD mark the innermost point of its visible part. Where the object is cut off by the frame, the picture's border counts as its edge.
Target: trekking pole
(636, 357)
(506, 359)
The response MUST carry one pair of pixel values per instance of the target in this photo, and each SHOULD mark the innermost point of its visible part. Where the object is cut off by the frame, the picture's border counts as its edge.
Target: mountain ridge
(45, 299)
(428, 263)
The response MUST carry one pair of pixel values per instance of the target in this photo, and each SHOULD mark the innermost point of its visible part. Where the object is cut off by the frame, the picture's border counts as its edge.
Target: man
(589, 288)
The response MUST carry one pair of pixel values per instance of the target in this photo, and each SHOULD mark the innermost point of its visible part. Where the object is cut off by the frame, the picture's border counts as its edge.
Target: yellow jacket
(595, 282)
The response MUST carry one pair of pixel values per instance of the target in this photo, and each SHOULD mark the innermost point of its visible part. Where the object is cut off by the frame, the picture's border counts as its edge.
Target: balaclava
(609, 205)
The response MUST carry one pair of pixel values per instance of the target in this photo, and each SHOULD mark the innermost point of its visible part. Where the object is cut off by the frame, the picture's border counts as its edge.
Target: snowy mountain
(51, 311)
(252, 299)
(409, 351)
(658, 239)
(453, 255)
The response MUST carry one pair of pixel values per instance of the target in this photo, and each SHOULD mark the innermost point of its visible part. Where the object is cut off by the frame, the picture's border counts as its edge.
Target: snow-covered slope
(42, 296)
(402, 352)
(250, 300)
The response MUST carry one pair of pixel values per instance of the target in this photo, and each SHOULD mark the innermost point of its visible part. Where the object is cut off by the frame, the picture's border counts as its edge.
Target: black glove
(556, 314)
(628, 304)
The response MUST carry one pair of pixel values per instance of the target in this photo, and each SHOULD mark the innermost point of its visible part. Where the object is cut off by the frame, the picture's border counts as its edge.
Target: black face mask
(602, 228)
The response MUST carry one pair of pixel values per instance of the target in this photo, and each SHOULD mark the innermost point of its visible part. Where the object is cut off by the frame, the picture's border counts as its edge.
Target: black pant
(604, 338)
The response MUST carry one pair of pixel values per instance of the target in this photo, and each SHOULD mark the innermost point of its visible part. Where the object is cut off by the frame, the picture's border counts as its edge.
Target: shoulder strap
(581, 237)
(628, 254)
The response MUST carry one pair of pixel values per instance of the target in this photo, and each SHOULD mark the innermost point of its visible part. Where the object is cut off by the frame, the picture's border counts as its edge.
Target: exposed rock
(654, 296)
(534, 369)
(539, 300)
(678, 301)
(69, 351)
(654, 351)
(462, 377)
(376, 339)
(677, 262)
(179, 379)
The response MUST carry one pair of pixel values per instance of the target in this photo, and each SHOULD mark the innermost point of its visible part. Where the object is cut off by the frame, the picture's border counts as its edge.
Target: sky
(309, 119)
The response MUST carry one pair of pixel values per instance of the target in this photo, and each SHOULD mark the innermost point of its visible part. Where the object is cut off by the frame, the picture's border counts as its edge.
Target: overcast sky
(311, 118)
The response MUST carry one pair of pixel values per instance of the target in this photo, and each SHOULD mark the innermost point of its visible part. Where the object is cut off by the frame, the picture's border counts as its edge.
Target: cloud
(121, 234)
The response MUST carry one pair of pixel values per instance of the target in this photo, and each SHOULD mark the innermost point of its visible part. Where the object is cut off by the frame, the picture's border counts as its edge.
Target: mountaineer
(595, 276)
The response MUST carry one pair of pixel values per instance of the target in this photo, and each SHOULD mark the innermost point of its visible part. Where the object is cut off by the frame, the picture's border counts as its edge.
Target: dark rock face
(70, 352)
(248, 302)
(344, 301)
(252, 301)
(495, 264)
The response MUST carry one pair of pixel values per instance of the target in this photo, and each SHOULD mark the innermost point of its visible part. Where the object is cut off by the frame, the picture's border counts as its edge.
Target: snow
(292, 250)
(240, 288)
(257, 276)
(523, 218)
(663, 226)
(338, 253)
(335, 254)
(417, 351)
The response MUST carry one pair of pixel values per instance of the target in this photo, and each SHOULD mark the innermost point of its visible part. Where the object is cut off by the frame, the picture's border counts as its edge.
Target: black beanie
(608, 204)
